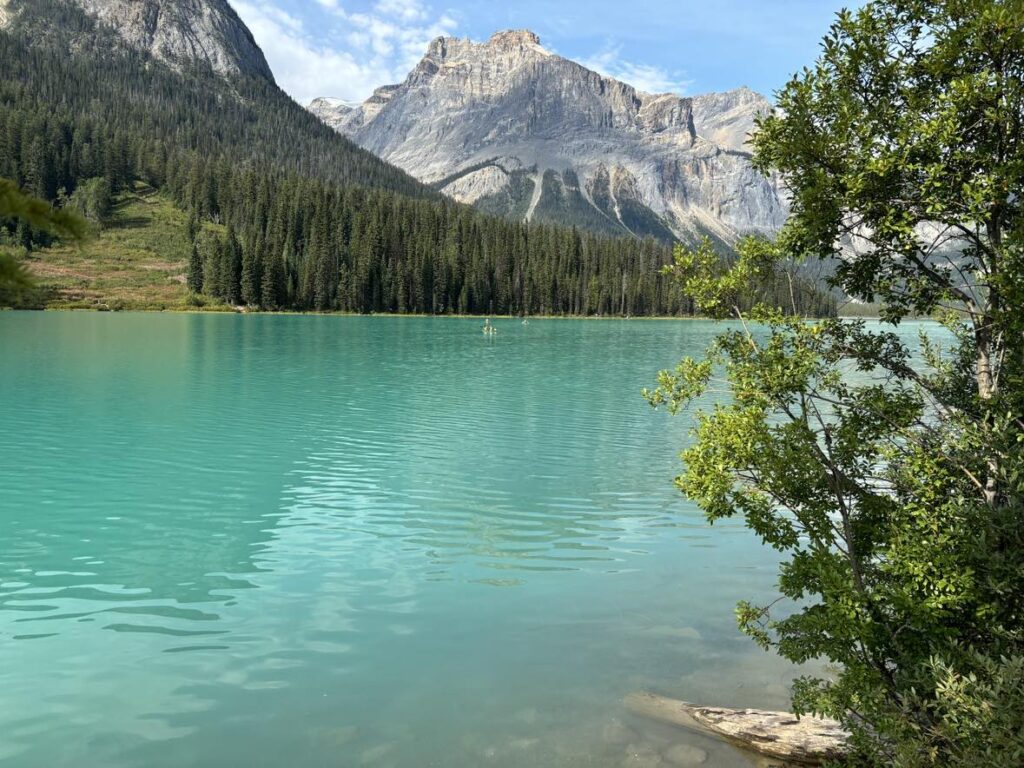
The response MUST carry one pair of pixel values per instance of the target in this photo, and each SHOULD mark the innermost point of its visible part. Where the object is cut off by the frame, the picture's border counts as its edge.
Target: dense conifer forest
(311, 222)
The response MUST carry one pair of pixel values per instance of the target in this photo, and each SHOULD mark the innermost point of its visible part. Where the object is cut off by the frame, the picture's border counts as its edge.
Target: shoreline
(297, 313)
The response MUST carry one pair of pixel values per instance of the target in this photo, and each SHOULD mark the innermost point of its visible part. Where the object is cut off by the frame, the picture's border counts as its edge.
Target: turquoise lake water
(326, 541)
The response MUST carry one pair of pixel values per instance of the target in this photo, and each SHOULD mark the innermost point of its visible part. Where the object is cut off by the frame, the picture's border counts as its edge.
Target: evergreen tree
(272, 289)
(193, 227)
(250, 280)
(232, 265)
(194, 277)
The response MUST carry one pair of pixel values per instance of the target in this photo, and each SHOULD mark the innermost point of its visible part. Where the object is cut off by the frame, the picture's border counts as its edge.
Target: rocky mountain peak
(514, 38)
(516, 45)
(517, 130)
(332, 111)
(325, 103)
(183, 32)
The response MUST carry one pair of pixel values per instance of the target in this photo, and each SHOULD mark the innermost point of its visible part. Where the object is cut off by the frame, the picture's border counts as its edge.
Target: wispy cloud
(355, 54)
(645, 77)
(406, 10)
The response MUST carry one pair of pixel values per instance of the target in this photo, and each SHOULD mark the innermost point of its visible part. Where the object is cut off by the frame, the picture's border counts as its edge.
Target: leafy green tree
(16, 283)
(14, 204)
(890, 479)
(92, 199)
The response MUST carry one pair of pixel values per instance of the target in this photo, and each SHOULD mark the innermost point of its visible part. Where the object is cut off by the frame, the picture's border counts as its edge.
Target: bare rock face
(334, 112)
(184, 32)
(727, 119)
(514, 129)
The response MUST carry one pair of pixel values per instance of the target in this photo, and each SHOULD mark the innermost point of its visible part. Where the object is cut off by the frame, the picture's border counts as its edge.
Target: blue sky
(346, 48)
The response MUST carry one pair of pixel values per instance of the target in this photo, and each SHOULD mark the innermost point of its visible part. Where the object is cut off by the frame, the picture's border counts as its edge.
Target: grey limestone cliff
(184, 32)
(515, 129)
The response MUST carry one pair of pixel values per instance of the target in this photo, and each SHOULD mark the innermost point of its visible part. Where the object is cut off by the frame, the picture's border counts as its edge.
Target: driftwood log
(777, 735)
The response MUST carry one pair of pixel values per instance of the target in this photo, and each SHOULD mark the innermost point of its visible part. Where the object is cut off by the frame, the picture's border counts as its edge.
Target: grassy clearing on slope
(137, 261)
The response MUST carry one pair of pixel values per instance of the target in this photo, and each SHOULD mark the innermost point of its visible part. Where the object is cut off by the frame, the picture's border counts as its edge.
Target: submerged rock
(335, 737)
(641, 756)
(375, 755)
(617, 732)
(778, 735)
(685, 755)
(523, 744)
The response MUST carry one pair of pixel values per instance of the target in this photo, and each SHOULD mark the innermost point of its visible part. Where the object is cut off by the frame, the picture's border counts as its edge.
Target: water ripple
(346, 541)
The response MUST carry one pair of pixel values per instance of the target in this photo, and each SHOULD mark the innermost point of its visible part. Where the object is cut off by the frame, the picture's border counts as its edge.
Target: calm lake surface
(326, 541)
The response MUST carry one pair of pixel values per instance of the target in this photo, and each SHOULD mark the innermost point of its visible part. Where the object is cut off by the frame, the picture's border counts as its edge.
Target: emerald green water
(324, 541)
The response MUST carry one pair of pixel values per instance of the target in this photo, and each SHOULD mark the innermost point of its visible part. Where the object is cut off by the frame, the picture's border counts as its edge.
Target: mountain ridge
(181, 32)
(515, 129)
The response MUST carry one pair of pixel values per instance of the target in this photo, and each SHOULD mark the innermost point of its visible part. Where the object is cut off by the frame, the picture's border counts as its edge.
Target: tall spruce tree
(194, 276)
(250, 279)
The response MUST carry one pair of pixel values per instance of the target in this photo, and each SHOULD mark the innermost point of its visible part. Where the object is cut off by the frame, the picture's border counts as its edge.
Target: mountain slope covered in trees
(308, 220)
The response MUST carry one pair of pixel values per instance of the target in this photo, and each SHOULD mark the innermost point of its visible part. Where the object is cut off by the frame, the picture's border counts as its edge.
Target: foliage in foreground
(15, 281)
(890, 479)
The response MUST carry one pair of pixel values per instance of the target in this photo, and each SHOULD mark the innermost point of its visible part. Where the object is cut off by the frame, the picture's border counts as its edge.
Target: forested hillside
(310, 220)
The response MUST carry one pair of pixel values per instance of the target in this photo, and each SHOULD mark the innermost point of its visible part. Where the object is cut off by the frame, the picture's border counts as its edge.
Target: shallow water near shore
(342, 541)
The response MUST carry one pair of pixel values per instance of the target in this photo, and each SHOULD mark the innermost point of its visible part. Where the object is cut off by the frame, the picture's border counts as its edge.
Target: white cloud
(645, 77)
(374, 48)
(406, 10)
